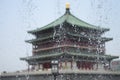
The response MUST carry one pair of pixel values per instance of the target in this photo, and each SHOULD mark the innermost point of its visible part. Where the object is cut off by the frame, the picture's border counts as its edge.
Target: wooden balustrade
(48, 47)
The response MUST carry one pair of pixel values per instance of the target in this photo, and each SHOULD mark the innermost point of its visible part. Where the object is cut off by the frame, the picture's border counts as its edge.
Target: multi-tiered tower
(73, 42)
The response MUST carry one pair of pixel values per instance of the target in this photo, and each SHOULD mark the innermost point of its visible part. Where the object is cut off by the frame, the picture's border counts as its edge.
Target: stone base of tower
(63, 75)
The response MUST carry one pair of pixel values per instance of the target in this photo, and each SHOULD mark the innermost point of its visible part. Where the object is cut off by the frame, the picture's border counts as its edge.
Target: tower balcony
(50, 47)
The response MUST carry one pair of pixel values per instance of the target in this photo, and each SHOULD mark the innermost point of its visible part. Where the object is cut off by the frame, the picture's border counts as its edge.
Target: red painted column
(71, 64)
(65, 64)
(61, 65)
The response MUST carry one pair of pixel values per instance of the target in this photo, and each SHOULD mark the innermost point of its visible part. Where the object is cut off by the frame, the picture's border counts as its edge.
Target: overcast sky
(19, 16)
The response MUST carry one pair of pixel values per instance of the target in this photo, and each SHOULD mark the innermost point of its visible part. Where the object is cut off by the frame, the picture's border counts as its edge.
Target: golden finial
(67, 5)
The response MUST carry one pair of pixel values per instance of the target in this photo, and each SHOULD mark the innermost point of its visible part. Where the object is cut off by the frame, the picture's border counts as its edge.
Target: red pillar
(71, 64)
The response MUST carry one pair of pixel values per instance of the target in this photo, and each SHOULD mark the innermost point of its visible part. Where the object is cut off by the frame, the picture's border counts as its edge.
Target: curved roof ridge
(71, 19)
(84, 24)
(52, 24)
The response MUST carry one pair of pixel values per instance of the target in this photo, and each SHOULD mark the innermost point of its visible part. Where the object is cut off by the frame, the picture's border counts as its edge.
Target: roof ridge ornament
(67, 5)
(67, 8)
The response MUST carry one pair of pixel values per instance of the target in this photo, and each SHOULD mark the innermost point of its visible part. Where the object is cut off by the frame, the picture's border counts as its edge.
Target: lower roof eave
(41, 56)
(55, 55)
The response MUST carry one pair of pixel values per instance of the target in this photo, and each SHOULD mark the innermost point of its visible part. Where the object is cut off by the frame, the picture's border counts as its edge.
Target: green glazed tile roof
(39, 39)
(71, 19)
(100, 56)
(74, 54)
(41, 56)
(91, 37)
(78, 35)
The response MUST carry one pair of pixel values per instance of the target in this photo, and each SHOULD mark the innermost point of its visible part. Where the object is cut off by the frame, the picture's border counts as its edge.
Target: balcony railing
(67, 45)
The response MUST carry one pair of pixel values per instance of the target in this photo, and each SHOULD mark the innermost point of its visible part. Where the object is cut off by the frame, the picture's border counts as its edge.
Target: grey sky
(19, 16)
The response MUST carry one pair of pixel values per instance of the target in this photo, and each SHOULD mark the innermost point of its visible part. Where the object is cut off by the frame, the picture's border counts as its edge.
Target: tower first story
(70, 63)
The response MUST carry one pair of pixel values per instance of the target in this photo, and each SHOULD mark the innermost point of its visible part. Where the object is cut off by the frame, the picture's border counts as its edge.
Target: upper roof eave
(104, 39)
(39, 39)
